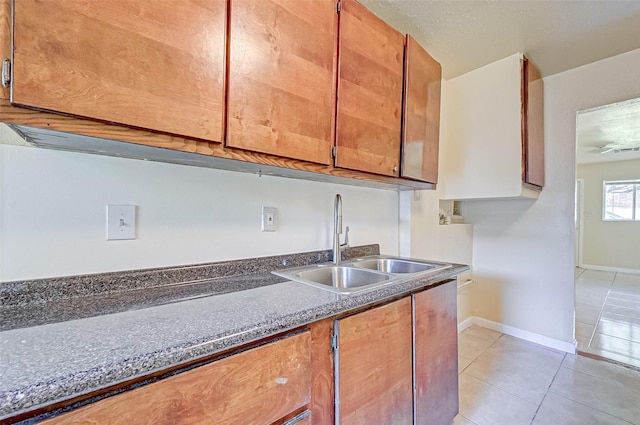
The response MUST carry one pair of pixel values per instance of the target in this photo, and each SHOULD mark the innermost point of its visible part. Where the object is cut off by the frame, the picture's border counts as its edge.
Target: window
(621, 201)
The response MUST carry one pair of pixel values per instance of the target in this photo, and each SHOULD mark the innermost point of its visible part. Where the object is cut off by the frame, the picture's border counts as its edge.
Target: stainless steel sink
(398, 266)
(361, 274)
(342, 279)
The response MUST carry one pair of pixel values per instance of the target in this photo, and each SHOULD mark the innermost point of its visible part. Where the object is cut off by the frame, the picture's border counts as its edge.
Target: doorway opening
(606, 253)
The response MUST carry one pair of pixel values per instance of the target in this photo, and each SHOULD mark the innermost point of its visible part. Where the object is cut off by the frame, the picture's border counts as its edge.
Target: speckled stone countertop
(59, 341)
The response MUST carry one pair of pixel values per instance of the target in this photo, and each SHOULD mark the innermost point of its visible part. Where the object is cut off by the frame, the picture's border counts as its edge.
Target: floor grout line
(548, 389)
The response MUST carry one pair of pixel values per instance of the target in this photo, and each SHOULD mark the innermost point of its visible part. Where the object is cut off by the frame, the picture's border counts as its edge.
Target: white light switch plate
(269, 219)
(121, 222)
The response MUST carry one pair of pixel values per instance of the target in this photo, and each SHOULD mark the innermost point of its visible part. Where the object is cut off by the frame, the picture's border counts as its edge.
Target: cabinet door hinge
(334, 152)
(338, 6)
(334, 341)
(6, 73)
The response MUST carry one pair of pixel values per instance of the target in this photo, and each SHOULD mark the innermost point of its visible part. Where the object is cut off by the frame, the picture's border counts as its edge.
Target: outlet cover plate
(269, 219)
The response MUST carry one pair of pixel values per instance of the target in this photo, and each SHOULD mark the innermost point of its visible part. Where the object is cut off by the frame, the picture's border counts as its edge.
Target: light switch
(121, 222)
(269, 219)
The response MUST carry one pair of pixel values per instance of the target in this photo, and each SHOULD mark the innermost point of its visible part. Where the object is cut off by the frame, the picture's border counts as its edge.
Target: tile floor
(509, 381)
(608, 315)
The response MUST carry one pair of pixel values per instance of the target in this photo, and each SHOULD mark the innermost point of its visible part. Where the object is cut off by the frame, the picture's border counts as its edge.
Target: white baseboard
(556, 344)
(610, 269)
(469, 321)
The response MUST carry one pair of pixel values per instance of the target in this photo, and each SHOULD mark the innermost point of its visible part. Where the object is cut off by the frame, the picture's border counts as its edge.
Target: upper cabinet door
(533, 126)
(369, 92)
(421, 125)
(281, 77)
(153, 64)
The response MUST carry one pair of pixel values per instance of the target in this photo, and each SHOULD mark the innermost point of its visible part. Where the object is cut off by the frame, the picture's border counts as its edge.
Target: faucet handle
(346, 237)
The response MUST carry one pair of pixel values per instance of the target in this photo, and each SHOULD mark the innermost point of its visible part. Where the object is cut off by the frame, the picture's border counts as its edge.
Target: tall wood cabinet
(149, 64)
(370, 81)
(436, 354)
(281, 77)
(374, 367)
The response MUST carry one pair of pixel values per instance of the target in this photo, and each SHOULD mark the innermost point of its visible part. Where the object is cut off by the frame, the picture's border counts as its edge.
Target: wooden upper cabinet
(5, 40)
(436, 354)
(369, 104)
(374, 366)
(421, 124)
(533, 125)
(259, 386)
(281, 77)
(152, 64)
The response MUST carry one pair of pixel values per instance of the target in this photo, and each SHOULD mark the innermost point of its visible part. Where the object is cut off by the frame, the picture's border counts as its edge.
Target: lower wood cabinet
(394, 364)
(373, 366)
(257, 386)
(436, 354)
(385, 354)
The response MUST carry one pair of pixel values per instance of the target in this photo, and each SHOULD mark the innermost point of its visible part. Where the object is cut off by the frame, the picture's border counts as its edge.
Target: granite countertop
(54, 348)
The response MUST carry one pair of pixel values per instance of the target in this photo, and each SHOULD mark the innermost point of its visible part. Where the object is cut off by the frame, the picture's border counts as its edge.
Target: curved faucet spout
(337, 231)
(337, 215)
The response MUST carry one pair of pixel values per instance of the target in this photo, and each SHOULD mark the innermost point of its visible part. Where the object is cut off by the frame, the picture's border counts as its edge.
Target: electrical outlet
(121, 222)
(269, 219)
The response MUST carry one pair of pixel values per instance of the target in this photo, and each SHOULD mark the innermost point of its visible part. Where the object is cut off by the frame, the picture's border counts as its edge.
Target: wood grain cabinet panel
(533, 125)
(281, 77)
(369, 103)
(421, 122)
(436, 354)
(374, 366)
(5, 40)
(258, 386)
(152, 64)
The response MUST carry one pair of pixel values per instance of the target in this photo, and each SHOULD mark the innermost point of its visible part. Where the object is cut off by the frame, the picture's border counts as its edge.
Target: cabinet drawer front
(258, 386)
(154, 64)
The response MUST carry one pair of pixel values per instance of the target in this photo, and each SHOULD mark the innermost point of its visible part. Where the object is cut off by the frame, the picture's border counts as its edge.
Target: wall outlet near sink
(269, 219)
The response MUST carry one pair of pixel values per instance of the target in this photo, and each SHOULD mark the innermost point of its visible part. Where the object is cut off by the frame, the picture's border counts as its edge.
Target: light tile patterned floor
(608, 315)
(508, 381)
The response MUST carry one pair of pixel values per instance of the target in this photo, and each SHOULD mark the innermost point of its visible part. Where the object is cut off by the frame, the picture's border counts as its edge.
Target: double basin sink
(361, 274)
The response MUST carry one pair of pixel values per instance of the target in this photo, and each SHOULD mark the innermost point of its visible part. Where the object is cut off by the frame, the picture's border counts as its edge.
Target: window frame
(635, 201)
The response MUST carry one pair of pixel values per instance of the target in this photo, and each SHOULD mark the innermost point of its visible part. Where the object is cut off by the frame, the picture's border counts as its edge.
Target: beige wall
(608, 243)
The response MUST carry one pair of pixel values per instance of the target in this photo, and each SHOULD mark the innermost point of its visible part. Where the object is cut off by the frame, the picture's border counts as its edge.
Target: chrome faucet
(337, 230)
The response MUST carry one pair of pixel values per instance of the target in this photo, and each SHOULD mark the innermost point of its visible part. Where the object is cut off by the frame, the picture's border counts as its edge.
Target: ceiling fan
(614, 147)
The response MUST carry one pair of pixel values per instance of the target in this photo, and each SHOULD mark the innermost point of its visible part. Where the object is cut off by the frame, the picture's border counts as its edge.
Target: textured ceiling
(556, 35)
(609, 133)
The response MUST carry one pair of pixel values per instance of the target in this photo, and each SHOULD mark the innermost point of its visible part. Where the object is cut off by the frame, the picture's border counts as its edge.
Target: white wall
(447, 243)
(523, 250)
(487, 100)
(52, 213)
(608, 243)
